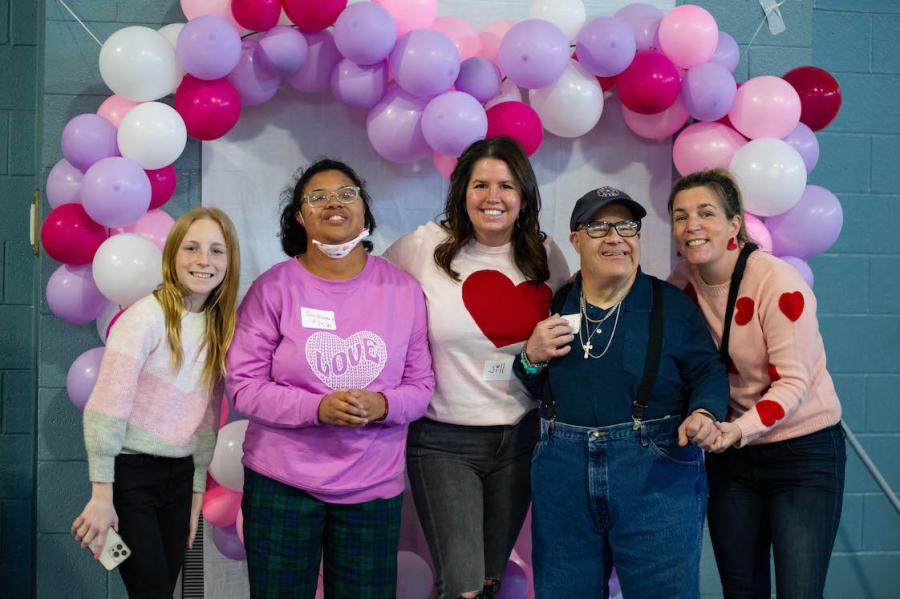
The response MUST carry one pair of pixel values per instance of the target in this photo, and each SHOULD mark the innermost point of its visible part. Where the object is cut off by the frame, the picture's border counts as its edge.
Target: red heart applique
(769, 411)
(504, 312)
(744, 310)
(692, 293)
(791, 304)
(773, 373)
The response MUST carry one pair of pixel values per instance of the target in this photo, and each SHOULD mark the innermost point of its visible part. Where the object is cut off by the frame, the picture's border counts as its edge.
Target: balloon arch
(431, 86)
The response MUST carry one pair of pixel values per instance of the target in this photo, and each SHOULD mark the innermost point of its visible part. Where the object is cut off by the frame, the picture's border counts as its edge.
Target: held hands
(96, 518)
(351, 407)
(706, 433)
(550, 339)
(196, 505)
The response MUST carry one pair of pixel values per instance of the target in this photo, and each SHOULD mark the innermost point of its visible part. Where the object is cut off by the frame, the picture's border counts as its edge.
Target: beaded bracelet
(530, 367)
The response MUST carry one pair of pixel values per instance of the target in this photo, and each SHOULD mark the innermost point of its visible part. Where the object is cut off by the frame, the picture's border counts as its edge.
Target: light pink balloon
(115, 107)
(765, 106)
(154, 225)
(239, 524)
(688, 35)
(491, 35)
(463, 36)
(758, 232)
(705, 145)
(219, 8)
(656, 126)
(444, 164)
(410, 14)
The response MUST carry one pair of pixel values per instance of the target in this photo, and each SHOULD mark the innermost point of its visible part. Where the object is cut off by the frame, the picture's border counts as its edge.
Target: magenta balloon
(478, 77)
(359, 86)
(514, 582)
(365, 33)
(88, 138)
(707, 91)
(63, 184)
(452, 122)
(650, 84)
(72, 294)
(208, 47)
(727, 53)
(323, 56)
(643, 20)
(803, 268)
(605, 46)
(424, 62)
(534, 53)
(227, 542)
(82, 376)
(254, 81)
(283, 50)
(803, 139)
(115, 192)
(394, 127)
(810, 227)
(705, 145)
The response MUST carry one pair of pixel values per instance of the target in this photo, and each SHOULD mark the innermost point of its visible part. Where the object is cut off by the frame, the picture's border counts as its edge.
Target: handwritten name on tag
(311, 318)
(498, 370)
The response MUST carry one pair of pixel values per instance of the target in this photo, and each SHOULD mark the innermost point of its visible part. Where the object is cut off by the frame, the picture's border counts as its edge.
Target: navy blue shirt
(599, 392)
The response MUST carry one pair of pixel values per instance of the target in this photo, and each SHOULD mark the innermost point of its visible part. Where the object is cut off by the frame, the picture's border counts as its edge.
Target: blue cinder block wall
(42, 465)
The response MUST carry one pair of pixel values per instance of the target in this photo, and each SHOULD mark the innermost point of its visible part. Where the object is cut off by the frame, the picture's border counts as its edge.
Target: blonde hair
(219, 306)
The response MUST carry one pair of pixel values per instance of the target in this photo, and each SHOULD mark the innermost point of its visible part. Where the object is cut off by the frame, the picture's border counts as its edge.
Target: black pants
(152, 497)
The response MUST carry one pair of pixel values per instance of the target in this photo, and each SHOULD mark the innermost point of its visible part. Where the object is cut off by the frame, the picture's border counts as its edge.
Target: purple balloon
(534, 53)
(365, 33)
(116, 192)
(323, 56)
(228, 543)
(254, 81)
(82, 376)
(643, 20)
(605, 46)
(803, 268)
(513, 582)
(803, 139)
(394, 127)
(614, 587)
(72, 294)
(478, 77)
(359, 86)
(86, 139)
(63, 184)
(208, 47)
(707, 91)
(424, 62)
(810, 227)
(727, 53)
(452, 122)
(283, 49)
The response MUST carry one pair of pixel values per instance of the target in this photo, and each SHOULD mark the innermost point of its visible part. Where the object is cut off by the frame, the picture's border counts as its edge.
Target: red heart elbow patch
(504, 312)
(791, 305)
(769, 412)
(773, 373)
(743, 310)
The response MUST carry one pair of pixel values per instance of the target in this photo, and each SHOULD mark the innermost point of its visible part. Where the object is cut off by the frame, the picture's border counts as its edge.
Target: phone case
(114, 552)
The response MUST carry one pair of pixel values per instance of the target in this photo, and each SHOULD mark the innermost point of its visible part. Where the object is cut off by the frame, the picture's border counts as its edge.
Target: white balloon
(226, 465)
(771, 175)
(139, 64)
(152, 134)
(127, 267)
(509, 92)
(568, 15)
(571, 106)
(170, 32)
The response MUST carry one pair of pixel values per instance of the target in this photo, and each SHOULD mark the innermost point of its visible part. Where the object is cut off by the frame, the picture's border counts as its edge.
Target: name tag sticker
(498, 370)
(311, 318)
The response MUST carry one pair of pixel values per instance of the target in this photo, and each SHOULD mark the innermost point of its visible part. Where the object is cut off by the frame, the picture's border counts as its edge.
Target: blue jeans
(786, 495)
(613, 495)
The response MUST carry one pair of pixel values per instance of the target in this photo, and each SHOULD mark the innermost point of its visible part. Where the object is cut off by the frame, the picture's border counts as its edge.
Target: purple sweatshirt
(298, 338)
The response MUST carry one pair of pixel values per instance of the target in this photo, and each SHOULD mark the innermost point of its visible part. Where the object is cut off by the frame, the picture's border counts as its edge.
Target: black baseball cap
(588, 205)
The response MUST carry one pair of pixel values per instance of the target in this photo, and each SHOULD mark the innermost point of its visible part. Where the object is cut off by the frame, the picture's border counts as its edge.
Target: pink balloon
(765, 106)
(758, 232)
(198, 8)
(688, 35)
(491, 35)
(154, 225)
(650, 84)
(221, 505)
(656, 126)
(239, 524)
(162, 185)
(523, 543)
(705, 145)
(410, 14)
(463, 36)
(209, 108)
(115, 107)
(444, 164)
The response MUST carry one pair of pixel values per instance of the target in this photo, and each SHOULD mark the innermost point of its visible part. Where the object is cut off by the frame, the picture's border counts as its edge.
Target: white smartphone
(114, 552)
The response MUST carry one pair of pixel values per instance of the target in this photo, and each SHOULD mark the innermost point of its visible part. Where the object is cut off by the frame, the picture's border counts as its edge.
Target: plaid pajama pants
(287, 531)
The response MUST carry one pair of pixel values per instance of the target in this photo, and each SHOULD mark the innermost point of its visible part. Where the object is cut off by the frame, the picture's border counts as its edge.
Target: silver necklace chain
(586, 345)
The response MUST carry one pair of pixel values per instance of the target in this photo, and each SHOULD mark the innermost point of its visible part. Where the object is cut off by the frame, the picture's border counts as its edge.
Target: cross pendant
(587, 349)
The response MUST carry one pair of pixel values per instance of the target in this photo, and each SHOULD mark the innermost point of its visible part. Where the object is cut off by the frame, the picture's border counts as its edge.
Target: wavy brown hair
(722, 184)
(529, 253)
(219, 306)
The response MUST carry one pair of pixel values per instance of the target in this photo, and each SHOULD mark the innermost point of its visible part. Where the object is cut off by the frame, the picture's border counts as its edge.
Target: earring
(732, 244)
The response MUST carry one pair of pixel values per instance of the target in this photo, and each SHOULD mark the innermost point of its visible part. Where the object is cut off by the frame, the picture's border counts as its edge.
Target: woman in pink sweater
(776, 474)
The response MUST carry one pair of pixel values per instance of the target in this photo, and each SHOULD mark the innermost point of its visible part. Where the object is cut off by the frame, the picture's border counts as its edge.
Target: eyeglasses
(344, 195)
(600, 228)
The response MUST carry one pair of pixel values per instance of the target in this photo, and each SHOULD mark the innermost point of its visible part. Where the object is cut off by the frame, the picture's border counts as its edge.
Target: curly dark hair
(722, 184)
(529, 253)
(293, 234)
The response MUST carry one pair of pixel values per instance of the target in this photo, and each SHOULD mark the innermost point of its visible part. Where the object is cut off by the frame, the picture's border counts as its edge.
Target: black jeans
(786, 495)
(152, 497)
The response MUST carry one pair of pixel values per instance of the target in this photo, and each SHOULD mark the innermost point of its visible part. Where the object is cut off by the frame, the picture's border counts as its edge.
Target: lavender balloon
(643, 20)
(424, 62)
(72, 294)
(534, 53)
(323, 56)
(707, 91)
(359, 86)
(228, 543)
(514, 582)
(452, 122)
(254, 81)
(803, 268)
(82, 376)
(803, 139)
(727, 53)
(116, 192)
(478, 77)
(63, 184)
(605, 46)
(283, 49)
(394, 127)
(810, 227)
(208, 47)
(365, 33)
(86, 139)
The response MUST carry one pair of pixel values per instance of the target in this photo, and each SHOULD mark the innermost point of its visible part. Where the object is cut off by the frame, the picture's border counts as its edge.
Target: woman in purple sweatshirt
(330, 362)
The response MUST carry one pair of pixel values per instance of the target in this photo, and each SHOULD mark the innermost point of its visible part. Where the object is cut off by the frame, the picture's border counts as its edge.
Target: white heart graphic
(350, 363)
